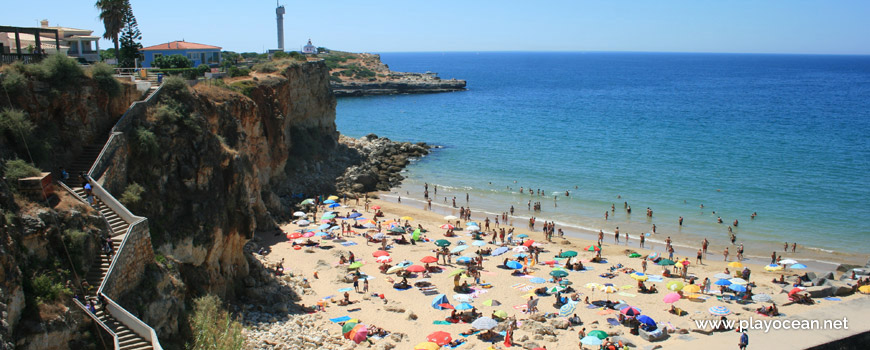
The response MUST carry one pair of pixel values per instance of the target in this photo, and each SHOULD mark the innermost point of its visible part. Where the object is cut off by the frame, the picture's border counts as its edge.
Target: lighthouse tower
(279, 11)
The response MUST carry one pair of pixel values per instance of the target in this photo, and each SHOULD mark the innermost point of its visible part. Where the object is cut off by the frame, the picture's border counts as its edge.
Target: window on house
(157, 55)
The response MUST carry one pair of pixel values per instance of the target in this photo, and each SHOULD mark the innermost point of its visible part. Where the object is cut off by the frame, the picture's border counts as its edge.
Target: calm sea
(786, 136)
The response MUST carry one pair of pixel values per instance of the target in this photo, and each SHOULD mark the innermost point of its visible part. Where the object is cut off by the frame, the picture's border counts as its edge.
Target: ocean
(786, 136)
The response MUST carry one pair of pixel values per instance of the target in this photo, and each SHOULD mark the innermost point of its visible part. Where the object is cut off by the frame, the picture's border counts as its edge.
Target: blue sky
(773, 26)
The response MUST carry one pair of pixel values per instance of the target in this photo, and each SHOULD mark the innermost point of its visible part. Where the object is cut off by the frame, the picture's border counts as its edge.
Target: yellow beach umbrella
(675, 286)
(639, 277)
(864, 289)
(773, 267)
(609, 289)
(592, 285)
(692, 288)
(408, 218)
(500, 314)
(332, 198)
(693, 296)
(735, 264)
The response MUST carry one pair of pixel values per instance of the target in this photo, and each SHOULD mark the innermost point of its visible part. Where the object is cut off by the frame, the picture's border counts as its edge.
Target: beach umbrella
(500, 314)
(795, 290)
(333, 197)
(568, 254)
(491, 302)
(446, 306)
(691, 288)
(675, 285)
(472, 228)
(303, 222)
(761, 298)
(334, 205)
(324, 227)
(646, 320)
(428, 259)
(471, 223)
(499, 251)
(447, 226)
(327, 217)
(308, 234)
(321, 234)
(439, 337)
(630, 311)
(478, 243)
(864, 289)
(788, 262)
(464, 298)
(369, 225)
(450, 217)
(521, 249)
(653, 256)
(397, 230)
(384, 259)
(442, 243)
(773, 267)
(406, 218)
(357, 333)
(376, 207)
(463, 260)
(415, 268)
(308, 201)
(640, 276)
(354, 266)
(591, 340)
(592, 248)
(537, 280)
(459, 248)
(427, 346)
(439, 301)
(484, 323)
(609, 289)
(299, 214)
(514, 265)
(666, 262)
(685, 262)
(737, 280)
(798, 266)
(347, 327)
(672, 298)
(567, 309)
(294, 235)
(464, 306)
(558, 273)
(378, 253)
(737, 288)
(719, 310)
(529, 243)
(523, 235)
(722, 276)
(722, 283)
(521, 255)
(379, 236)
(598, 334)
(455, 272)
(634, 255)
(593, 286)
(355, 215)
(565, 283)
(735, 264)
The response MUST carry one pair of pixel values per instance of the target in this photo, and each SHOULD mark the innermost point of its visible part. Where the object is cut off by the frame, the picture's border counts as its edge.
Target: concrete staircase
(126, 338)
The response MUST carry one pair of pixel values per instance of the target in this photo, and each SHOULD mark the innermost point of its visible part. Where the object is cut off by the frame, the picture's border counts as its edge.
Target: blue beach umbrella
(591, 340)
(719, 310)
(514, 265)
(478, 243)
(334, 205)
(438, 300)
(523, 235)
(459, 248)
(798, 266)
(328, 201)
(324, 226)
(537, 280)
(471, 223)
(567, 309)
(463, 260)
(521, 255)
(737, 288)
(646, 320)
(464, 306)
(499, 251)
(722, 283)
(354, 215)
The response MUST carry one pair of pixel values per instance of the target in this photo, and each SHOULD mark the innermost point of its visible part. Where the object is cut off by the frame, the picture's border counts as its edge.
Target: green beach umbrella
(568, 254)
(347, 327)
(675, 285)
(308, 201)
(666, 262)
(456, 272)
(500, 314)
(415, 236)
(558, 273)
(327, 217)
(442, 243)
(598, 334)
(354, 266)
(634, 255)
(491, 302)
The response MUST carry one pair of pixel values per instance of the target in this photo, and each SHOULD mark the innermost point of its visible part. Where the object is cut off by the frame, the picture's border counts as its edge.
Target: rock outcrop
(383, 161)
(363, 74)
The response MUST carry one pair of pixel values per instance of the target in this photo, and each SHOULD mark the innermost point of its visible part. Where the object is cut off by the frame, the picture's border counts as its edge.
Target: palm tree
(112, 14)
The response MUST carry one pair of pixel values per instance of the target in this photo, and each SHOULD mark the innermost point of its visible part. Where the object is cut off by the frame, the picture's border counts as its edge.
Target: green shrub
(167, 113)
(266, 67)
(132, 194)
(14, 124)
(202, 69)
(104, 76)
(76, 243)
(279, 55)
(238, 72)
(16, 169)
(14, 82)
(245, 87)
(334, 78)
(175, 87)
(45, 289)
(145, 142)
(172, 61)
(212, 328)
(160, 259)
(62, 72)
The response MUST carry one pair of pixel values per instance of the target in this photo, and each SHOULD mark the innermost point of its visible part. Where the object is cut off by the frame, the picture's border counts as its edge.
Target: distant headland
(363, 74)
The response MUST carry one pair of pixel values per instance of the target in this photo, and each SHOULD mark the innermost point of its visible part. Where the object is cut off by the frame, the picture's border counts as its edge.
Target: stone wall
(130, 262)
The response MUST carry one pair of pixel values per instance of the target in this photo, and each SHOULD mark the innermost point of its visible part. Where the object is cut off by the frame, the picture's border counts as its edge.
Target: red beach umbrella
(529, 243)
(376, 207)
(446, 306)
(415, 268)
(378, 253)
(294, 235)
(428, 259)
(439, 338)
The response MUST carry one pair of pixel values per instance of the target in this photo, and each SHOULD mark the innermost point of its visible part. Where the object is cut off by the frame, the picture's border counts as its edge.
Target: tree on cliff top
(130, 38)
(112, 14)
(212, 327)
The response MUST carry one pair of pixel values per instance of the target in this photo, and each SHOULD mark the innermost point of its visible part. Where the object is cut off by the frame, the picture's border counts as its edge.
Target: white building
(309, 48)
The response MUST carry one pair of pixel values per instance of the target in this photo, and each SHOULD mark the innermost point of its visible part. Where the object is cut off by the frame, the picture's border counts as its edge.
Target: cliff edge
(363, 74)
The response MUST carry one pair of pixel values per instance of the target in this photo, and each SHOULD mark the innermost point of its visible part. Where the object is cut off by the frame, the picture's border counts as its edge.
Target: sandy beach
(411, 312)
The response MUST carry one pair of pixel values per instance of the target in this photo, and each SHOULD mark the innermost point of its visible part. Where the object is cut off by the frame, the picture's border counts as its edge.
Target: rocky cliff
(363, 74)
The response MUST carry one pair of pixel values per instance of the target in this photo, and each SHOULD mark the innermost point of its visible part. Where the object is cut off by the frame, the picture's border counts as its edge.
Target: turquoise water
(785, 136)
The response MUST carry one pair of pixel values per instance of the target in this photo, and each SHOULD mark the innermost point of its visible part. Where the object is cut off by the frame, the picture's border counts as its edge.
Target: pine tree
(130, 37)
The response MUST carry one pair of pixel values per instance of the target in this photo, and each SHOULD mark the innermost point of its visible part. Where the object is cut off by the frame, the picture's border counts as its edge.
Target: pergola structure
(19, 55)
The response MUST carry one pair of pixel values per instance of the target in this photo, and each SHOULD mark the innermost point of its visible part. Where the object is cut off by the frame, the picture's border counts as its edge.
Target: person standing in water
(616, 235)
(642, 239)
(680, 221)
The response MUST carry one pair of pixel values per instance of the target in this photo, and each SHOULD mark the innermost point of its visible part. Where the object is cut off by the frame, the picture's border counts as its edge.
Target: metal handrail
(137, 324)
(115, 129)
(97, 320)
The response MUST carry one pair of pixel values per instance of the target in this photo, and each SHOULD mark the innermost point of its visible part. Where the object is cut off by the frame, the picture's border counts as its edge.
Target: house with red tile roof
(198, 53)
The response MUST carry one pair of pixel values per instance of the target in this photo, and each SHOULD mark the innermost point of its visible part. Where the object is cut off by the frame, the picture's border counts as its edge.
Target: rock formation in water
(363, 74)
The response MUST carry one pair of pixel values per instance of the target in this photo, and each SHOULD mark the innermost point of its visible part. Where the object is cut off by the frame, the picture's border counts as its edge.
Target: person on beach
(628, 211)
(642, 239)
(785, 247)
(698, 260)
(793, 246)
(668, 243)
(719, 220)
(726, 253)
(773, 258)
(740, 252)
(616, 235)
(654, 229)
(735, 222)
(704, 245)
(612, 207)
(643, 265)
(680, 221)
(512, 210)
(355, 283)
(366, 286)
(626, 238)
(744, 340)
(671, 252)
(606, 215)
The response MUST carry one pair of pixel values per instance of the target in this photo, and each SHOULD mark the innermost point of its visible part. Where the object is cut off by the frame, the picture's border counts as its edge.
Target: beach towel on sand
(612, 321)
(340, 319)
(440, 322)
(348, 243)
(466, 336)
(625, 294)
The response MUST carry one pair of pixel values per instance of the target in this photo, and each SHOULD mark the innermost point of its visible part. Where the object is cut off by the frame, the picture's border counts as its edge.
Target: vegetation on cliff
(213, 328)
